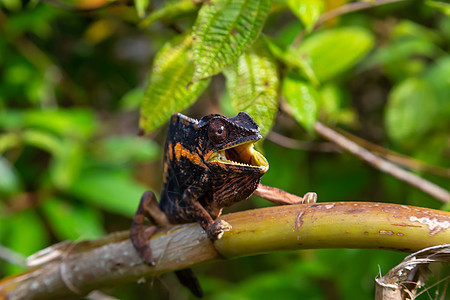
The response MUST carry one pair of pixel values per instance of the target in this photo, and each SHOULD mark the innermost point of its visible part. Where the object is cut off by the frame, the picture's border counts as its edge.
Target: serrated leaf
(336, 50)
(294, 60)
(73, 222)
(112, 191)
(411, 109)
(308, 11)
(169, 10)
(170, 88)
(222, 31)
(252, 83)
(302, 99)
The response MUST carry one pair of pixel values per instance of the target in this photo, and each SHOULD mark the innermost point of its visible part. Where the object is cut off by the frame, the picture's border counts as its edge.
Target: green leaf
(331, 98)
(302, 99)
(67, 155)
(292, 59)
(43, 140)
(141, 7)
(132, 100)
(66, 164)
(169, 10)
(26, 234)
(411, 110)
(8, 140)
(12, 5)
(408, 29)
(112, 191)
(9, 179)
(170, 88)
(441, 6)
(76, 123)
(121, 149)
(337, 50)
(252, 83)
(437, 76)
(396, 57)
(73, 222)
(222, 31)
(308, 11)
(11, 119)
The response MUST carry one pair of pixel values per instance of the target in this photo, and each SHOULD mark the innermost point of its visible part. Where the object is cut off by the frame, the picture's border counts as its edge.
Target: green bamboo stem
(78, 268)
(334, 225)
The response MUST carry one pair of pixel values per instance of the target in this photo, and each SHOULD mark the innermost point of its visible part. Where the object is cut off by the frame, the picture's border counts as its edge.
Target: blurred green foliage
(73, 79)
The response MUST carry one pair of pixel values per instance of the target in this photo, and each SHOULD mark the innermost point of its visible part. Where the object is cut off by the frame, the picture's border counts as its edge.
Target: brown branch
(342, 10)
(351, 7)
(78, 268)
(395, 157)
(382, 164)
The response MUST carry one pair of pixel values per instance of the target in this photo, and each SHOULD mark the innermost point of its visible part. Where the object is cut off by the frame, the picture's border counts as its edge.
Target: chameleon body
(209, 164)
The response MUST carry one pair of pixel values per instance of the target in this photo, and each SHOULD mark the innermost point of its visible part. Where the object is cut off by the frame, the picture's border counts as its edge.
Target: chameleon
(209, 164)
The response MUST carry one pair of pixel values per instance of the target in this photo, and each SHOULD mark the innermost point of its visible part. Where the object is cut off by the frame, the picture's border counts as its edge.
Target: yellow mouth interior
(242, 154)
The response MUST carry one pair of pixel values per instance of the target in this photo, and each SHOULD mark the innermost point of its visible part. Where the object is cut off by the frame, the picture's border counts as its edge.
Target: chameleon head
(231, 143)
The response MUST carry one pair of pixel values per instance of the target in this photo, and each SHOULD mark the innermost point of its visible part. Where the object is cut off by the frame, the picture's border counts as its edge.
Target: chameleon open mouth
(243, 155)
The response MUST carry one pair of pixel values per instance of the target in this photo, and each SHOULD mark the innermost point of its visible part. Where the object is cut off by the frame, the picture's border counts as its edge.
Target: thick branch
(69, 268)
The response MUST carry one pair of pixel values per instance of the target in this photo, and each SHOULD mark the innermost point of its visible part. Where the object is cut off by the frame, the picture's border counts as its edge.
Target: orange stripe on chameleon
(169, 153)
(180, 151)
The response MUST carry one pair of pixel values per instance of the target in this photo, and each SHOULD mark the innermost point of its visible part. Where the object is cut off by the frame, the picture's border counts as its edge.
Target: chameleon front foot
(216, 230)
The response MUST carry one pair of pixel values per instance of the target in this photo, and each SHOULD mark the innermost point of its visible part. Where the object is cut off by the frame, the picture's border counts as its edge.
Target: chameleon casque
(209, 164)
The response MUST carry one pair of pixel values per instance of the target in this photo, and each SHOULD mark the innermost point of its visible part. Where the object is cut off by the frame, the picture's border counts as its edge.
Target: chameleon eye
(217, 131)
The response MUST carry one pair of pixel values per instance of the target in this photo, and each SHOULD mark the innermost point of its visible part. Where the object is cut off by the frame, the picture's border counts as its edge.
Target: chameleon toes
(216, 230)
(310, 197)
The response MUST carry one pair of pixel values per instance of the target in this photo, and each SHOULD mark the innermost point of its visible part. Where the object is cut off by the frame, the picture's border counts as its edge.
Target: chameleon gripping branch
(112, 260)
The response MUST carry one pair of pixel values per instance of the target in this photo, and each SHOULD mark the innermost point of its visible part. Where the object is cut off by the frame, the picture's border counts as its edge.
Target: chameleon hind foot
(142, 246)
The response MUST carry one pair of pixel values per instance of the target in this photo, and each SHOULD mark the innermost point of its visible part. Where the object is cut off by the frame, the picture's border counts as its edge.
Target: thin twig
(382, 164)
(299, 145)
(351, 7)
(395, 157)
(12, 257)
(342, 10)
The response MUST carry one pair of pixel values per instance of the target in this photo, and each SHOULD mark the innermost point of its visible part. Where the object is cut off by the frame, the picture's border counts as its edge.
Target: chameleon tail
(187, 278)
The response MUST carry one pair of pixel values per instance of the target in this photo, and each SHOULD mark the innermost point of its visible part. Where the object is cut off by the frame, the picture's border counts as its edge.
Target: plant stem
(68, 269)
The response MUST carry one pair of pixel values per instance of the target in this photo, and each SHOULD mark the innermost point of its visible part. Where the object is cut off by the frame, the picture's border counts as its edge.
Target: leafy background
(77, 75)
